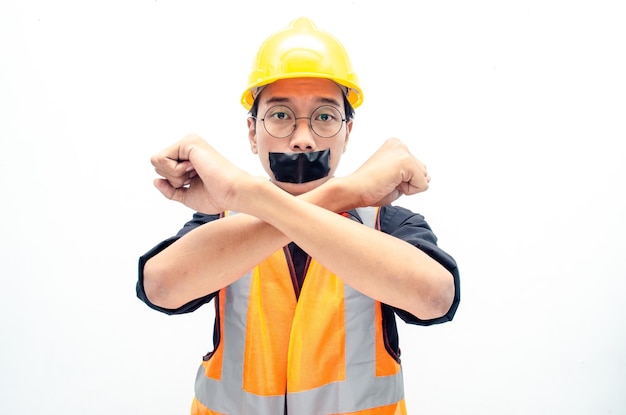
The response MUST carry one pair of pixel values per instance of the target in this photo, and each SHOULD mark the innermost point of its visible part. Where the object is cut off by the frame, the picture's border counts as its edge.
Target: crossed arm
(209, 257)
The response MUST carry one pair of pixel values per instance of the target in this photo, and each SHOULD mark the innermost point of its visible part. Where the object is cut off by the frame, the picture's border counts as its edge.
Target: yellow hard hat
(302, 51)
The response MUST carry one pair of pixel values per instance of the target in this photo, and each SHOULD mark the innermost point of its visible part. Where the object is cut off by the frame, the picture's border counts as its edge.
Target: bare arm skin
(208, 258)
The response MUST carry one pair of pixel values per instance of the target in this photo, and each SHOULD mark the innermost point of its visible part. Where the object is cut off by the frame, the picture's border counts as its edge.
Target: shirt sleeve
(413, 228)
(198, 219)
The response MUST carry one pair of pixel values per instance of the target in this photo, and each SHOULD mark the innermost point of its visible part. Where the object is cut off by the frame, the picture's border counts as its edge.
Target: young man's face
(302, 96)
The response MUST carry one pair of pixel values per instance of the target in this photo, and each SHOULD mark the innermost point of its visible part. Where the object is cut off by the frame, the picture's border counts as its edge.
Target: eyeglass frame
(295, 120)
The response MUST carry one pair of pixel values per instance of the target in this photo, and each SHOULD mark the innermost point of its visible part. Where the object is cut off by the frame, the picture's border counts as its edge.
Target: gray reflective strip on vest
(360, 390)
(368, 216)
(227, 395)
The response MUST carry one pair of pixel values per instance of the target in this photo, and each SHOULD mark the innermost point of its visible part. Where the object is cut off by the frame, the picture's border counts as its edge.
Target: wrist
(249, 192)
(335, 195)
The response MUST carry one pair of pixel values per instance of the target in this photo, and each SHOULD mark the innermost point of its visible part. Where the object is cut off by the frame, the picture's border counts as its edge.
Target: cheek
(262, 151)
(335, 155)
(341, 148)
(261, 148)
(267, 144)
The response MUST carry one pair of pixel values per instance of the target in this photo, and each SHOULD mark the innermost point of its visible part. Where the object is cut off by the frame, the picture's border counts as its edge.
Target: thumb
(167, 189)
(414, 186)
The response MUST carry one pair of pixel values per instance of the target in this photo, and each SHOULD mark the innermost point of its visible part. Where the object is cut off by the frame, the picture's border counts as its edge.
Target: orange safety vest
(323, 353)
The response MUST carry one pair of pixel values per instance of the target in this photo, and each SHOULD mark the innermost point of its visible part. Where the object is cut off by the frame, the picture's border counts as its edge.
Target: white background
(518, 109)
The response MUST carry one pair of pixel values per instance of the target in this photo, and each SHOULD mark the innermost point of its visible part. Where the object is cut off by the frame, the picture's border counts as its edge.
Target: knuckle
(191, 138)
(155, 160)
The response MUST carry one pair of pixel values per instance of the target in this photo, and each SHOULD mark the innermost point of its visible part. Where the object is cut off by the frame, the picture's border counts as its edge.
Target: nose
(303, 138)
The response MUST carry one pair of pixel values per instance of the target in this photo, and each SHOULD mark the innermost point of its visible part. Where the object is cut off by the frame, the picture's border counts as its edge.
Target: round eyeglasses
(280, 121)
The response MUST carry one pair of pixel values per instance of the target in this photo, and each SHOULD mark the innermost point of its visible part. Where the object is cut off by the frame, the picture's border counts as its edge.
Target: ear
(348, 131)
(252, 135)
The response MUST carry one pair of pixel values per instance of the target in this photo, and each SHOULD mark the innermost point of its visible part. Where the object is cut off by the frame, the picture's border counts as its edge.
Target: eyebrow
(323, 100)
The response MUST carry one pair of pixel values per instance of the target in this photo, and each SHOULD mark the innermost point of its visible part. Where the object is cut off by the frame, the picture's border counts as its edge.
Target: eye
(325, 117)
(326, 114)
(279, 113)
(326, 121)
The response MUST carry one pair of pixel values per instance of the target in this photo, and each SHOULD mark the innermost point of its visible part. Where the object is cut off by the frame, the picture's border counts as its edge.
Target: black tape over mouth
(300, 167)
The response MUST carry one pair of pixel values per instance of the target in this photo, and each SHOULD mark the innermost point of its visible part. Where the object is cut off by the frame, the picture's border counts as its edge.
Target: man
(307, 270)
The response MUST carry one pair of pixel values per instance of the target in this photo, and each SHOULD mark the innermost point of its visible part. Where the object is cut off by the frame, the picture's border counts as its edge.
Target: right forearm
(210, 257)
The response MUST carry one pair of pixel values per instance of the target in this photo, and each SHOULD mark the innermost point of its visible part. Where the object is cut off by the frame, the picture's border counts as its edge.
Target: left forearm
(381, 266)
